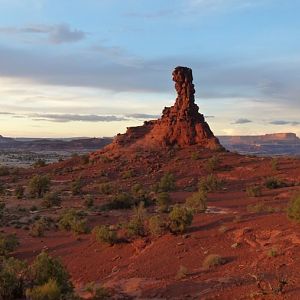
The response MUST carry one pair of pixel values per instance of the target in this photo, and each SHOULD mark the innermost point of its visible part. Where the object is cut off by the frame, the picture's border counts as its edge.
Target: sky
(94, 67)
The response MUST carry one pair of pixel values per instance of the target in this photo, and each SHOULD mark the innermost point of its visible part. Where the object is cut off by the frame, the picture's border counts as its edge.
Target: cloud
(62, 118)
(242, 121)
(74, 117)
(283, 122)
(6, 113)
(142, 116)
(64, 34)
(55, 34)
(223, 5)
(264, 81)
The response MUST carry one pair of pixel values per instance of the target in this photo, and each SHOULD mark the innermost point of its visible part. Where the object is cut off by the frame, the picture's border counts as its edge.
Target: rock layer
(180, 124)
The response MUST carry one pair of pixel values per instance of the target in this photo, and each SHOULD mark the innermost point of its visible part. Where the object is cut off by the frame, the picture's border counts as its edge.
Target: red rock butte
(180, 125)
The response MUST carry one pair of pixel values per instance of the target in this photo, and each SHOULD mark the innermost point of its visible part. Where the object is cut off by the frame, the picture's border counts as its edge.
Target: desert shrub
(12, 273)
(2, 209)
(163, 201)
(274, 164)
(253, 191)
(195, 156)
(4, 171)
(71, 220)
(121, 201)
(166, 183)
(2, 188)
(273, 252)
(156, 225)
(38, 228)
(45, 268)
(77, 186)
(85, 158)
(8, 243)
(88, 201)
(293, 210)
(47, 291)
(97, 292)
(210, 183)
(136, 225)
(213, 260)
(106, 188)
(128, 174)
(197, 201)
(260, 207)
(136, 189)
(212, 164)
(19, 192)
(104, 234)
(182, 272)
(140, 195)
(180, 218)
(39, 163)
(274, 183)
(39, 185)
(51, 199)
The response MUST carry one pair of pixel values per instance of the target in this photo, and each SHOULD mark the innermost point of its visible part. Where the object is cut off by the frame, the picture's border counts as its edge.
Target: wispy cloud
(242, 121)
(6, 113)
(55, 34)
(221, 5)
(285, 122)
(142, 116)
(74, 117)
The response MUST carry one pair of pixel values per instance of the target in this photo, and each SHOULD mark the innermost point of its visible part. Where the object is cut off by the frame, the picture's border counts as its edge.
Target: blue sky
(94, 67)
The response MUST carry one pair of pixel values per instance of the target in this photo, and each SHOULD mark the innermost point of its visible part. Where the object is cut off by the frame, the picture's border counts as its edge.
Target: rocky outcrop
(180, 124)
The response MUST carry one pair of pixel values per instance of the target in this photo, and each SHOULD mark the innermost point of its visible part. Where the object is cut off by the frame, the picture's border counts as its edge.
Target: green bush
(210, 183)
(106, 188)
(12, 276)
(2, 209)
(97, 292)
(104, 234)
(39, 185)
(293, 210)
(128, 174)
(77, 186)
(88, 201)
(213, 260)
(39, 163)
(253, 191)
(167, 183)
(71, 220)
(274, 164)
(85, 158)
(4, 171)
(180, 218)
(38, 228)
(47, 291)
(197, 201)
(195, 156)
(260, 207)
(274, 183)
(8, 244)
(121, 201)
(212, 164)
(156, 225)
(51, 199)
(19, 192)
(45, 268)
(163, 201)
(136, 225)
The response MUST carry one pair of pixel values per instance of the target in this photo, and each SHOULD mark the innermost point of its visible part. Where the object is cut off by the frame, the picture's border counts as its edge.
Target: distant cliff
(268, 144)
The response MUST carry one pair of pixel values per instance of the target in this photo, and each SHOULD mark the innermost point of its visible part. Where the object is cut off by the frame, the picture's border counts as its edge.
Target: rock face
(180, 124)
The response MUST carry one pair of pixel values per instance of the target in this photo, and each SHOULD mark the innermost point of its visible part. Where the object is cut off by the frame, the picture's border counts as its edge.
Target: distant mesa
(181, 124)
